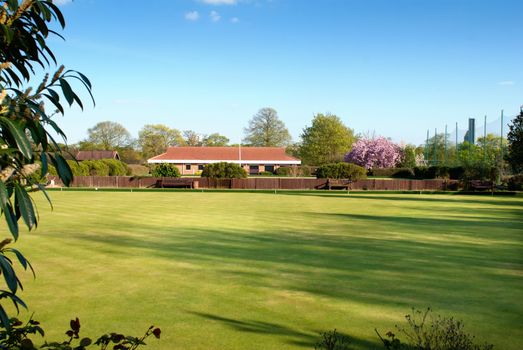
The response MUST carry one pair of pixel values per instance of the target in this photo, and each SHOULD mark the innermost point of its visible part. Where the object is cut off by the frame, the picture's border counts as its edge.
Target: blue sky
(396, 67)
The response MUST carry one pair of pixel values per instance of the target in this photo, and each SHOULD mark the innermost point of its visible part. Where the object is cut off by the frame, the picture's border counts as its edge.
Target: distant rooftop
(97, 155)
(261, 155)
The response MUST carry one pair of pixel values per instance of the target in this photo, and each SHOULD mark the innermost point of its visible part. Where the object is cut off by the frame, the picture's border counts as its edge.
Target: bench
(481, 185)
(336, 184)
(174, 183)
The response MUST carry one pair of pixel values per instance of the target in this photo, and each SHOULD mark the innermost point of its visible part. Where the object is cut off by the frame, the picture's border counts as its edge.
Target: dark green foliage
(302, 170)
(27, 130)
(456, 173)
(18, 338)
(515, 144)
(341, 171)
(424, 331)
(78, 168)
(224, 170)
(332, 340)
(266, 173)
(432, 172)
(96, 167)
(402, 173)
(116, 167)
(515, 182)
(284, 171)
(165, 170)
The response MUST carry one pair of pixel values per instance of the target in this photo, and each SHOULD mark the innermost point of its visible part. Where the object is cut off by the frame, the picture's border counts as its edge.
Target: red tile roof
(225, 154)
(95, 155)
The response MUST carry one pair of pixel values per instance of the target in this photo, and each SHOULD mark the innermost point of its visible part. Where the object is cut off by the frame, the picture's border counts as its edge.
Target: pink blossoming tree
(374, 153)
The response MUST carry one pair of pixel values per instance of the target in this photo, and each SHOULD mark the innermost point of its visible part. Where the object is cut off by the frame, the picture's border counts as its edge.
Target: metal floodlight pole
(456, 157)
(501, 142)
(435, 141)
(427, 147)
(445, 154)
(485, 141)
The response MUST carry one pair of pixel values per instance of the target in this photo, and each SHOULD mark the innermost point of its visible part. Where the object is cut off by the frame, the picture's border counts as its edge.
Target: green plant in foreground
(332, 340)
(165, 170)
(427, 332)
(17, 337)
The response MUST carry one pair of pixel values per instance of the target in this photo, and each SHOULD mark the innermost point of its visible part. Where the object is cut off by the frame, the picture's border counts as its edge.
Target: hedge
(165, 170)
(224, 170)
(341, 171)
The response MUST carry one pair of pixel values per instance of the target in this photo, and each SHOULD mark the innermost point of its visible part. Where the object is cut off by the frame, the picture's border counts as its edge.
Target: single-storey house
(97, 155)
(254, 160)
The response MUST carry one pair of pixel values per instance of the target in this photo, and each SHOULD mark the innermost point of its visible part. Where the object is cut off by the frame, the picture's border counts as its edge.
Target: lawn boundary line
(323, 192)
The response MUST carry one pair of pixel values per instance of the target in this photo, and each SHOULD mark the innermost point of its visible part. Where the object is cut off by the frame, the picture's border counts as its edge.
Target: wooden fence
(261, 183)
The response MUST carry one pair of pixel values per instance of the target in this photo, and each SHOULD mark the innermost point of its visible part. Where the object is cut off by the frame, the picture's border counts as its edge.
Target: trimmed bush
(404, 173)
(78, 168)
(302, 170)
(116, 167)
(341, 171)
(96, 167)
(265, 173)
(165, 170)
(284, 171)
(515, 183)
(224, 170)
(456, 173)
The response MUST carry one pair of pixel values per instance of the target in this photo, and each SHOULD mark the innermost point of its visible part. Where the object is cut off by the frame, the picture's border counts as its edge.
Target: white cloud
(192, 16)
(235, 20)
(506, 82)
(215, 16)
(61, 2)
(220, 2)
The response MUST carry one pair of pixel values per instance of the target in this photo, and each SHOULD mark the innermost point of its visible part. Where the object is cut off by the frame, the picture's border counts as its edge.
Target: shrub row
(224, 170)
(165, 170)
(341, 171)
(102, 167)
(303, 170)
(438, 172)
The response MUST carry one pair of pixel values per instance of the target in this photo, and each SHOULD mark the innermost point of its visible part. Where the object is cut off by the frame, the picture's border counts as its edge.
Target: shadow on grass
(477, 199)
(292, 336)
(394, 261)
(462, 263)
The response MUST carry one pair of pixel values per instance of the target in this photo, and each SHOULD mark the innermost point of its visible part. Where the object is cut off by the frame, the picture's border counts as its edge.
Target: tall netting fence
(479, 141)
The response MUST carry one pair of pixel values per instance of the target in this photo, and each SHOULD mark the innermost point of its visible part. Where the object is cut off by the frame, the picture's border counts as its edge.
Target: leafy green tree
(515, 144)
(215, 140)
(191, 138)
(408, 160)
(109, 136)
(27, 130)
(154, 139)
(224, 170)
(266, 129)
(326, 140)
(165, 170)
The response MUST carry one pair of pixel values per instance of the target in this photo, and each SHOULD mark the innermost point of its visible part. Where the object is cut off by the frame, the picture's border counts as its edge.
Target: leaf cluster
(424, 331)
(347, 171)
(27, 130)
(224, 170)
(165, 170)
(17, 337)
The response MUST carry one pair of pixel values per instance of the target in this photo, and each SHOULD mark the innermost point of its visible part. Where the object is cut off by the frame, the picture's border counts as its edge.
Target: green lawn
(269, 271)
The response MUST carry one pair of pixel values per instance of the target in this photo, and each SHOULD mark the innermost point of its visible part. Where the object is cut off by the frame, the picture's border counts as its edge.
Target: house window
(200, 167)
(254, 169)
(269, 168)
(188, 167)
